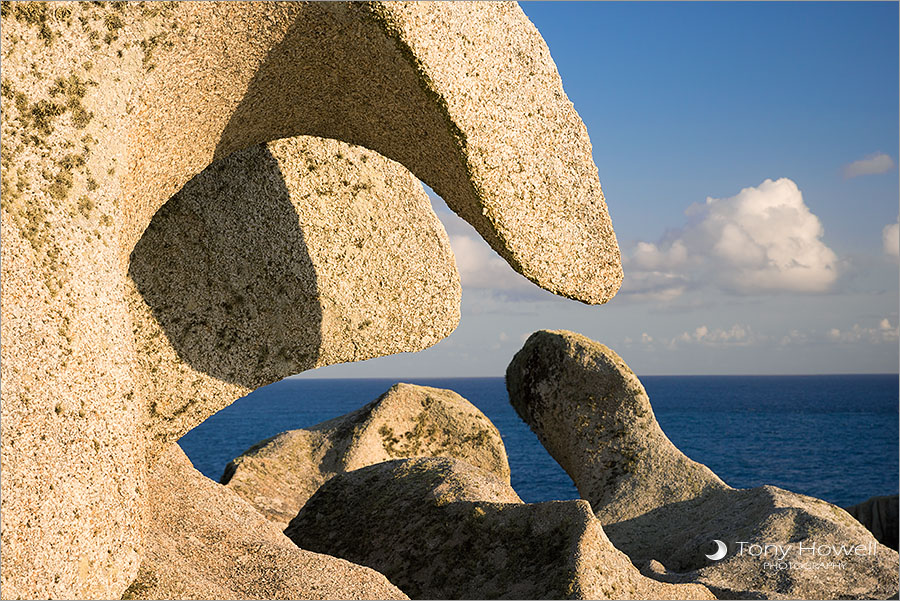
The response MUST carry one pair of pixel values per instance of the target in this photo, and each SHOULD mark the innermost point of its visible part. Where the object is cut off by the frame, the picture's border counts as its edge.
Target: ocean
(833, 437)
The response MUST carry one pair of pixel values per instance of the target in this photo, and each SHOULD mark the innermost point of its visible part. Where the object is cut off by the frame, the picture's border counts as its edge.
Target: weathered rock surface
(880, 516)
(592, 414)
(278, 475)
(110, 109)
(281, 258)
(204, 542)
(440, 528)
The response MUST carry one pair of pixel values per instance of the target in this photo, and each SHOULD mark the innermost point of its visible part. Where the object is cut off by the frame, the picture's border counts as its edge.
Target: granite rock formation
(442, 529)
(278, 259)
(110, 109)
(278, 475)
(592, 414)
(204, 542)
(880, 516)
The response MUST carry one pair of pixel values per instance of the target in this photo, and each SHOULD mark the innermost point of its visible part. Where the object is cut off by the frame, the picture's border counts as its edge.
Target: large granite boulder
(440, 528)
(204, 542)
(880, 516)
(279, 474)
(110, 109)
(277, 259)
(664, 510)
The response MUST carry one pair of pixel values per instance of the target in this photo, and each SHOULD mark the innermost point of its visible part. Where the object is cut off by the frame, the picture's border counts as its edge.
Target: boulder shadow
(226, 272)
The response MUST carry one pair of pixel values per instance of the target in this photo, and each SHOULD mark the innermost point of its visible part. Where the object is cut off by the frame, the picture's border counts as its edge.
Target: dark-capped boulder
(879, 515)
(669, 513)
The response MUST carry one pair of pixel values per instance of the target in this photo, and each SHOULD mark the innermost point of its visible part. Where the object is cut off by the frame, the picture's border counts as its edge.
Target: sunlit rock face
(112, 109)
(203, 541)
(278, 259)
(279, 475)
(664, 510)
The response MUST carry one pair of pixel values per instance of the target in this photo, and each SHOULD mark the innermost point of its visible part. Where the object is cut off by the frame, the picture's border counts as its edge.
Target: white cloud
(648, 256)
(501, 339)
(480, 267)
(890, 239)
(736, 335)
(764, 239)
(657, 286)
(871, 165)
(883, 332)
(794, 336)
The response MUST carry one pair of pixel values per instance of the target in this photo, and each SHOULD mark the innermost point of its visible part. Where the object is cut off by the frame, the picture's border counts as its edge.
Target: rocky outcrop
(442, 529)
(278, 475)
(664, 510)
(278, 259)
(110, 109)
(204, 542)
(592, 414)
(879, 516)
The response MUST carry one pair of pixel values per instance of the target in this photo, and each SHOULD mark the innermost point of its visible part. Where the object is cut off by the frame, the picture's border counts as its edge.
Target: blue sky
(785, 114)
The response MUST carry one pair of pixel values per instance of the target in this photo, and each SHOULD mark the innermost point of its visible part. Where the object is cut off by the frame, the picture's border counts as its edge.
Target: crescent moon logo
(721, 550)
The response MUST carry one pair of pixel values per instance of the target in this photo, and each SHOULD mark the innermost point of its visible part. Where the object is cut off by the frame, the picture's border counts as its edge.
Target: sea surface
(834, 437)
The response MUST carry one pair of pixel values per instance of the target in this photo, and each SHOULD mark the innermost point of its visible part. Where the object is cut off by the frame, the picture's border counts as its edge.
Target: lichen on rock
(440, 528)
(279, 259)
(279, 474)
(111, 109)
(204, 542)
(664, 510)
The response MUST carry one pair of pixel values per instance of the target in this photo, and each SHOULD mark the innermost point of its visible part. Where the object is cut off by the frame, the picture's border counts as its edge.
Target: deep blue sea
(833, 437)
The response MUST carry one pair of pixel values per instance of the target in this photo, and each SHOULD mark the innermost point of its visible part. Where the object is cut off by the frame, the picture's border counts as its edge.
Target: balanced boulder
(666, 511)
(278, 259)
(440, 528)
(279, 474)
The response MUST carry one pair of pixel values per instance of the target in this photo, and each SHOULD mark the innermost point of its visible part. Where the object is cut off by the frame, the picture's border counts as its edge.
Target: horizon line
(304, 376)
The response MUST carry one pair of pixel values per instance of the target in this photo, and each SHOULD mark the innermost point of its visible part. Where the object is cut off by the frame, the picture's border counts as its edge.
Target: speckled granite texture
(111, 109)
(440, 528)
(278, 475)
(664, 510)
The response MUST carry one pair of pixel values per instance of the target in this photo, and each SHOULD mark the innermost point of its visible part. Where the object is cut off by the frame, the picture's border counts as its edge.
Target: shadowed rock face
(592, 414)
(879, 516)
(110, 109)
(465, 95)
(205, 542)
(278, 475)
(278, 259)
(442, 529)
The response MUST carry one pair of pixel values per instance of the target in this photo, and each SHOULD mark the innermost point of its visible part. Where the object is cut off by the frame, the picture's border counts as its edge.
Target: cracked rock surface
(112, 109)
